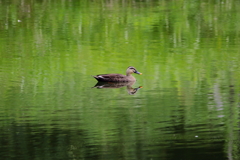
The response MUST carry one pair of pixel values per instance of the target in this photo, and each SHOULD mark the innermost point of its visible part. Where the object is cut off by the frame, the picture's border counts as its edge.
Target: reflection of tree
(29, 141)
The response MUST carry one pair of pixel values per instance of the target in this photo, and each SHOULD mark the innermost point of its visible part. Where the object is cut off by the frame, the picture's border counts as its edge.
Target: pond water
(184, 106)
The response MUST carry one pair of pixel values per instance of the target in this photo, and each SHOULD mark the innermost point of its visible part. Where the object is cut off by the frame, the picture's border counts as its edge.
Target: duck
(118, 77)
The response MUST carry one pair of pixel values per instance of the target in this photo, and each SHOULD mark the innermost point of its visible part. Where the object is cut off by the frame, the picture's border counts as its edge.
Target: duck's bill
(138, 73)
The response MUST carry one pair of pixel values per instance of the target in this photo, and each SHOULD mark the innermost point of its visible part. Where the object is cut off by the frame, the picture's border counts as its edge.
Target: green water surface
(187, 107)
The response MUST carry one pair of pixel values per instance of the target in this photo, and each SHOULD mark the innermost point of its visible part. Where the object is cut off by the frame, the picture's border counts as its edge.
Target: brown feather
(117, 77)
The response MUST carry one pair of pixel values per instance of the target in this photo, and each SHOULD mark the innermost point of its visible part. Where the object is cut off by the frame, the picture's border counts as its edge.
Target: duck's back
(114, 78)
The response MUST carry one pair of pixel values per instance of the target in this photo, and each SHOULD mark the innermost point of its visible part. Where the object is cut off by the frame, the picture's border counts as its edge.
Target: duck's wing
(110, 77)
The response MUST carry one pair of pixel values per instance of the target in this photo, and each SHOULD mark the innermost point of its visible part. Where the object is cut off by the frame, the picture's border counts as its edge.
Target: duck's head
(131, 70)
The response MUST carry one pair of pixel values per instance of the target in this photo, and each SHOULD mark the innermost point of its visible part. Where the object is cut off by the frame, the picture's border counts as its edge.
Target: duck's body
(118, 77)
(114, 78)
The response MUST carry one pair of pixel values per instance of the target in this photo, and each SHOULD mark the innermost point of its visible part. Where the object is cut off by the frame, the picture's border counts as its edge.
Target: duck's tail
(96, 77)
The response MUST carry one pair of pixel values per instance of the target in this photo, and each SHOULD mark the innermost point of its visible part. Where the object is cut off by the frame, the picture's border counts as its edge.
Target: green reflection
(187, 50)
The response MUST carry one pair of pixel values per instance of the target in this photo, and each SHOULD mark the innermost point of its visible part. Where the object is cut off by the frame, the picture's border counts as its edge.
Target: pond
(184, 106)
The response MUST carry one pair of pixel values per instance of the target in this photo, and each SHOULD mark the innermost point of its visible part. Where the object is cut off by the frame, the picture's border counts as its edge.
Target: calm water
(185, 106)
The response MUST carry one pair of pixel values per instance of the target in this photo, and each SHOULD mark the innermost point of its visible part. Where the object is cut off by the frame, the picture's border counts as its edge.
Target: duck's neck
(128, 74)
(130, 78)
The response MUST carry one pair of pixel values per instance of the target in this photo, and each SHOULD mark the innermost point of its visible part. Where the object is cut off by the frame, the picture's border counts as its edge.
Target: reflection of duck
(112, 85)
(118, 77)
